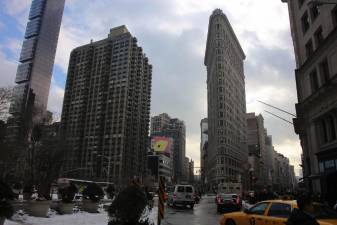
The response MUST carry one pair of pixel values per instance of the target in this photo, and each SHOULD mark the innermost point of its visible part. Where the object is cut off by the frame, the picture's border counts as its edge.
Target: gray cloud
(8, 70)
(173, 35)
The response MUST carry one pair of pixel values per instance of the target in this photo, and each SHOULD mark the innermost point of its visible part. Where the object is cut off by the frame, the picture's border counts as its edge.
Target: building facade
(106, 109)
(186, 169)
(259, 147)
(269, 156)
(163, 125)
(203, 149)
(34, 72)
(159, 122)
(313, 28)
(227, 150)
(283, 174)
(191, 172)
(160, 165)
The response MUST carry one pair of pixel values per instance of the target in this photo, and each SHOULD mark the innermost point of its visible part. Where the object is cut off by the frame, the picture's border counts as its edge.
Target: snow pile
(79, 218)
(154, 215)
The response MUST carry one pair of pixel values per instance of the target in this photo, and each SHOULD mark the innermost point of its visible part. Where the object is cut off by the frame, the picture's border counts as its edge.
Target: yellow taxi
(276, 212)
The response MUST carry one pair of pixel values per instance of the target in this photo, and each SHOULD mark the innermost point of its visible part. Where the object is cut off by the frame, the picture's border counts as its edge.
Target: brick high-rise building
(227, 150)
(257, 151)
(163, 125)
(34, 72)
(106, 109)
(314, 32)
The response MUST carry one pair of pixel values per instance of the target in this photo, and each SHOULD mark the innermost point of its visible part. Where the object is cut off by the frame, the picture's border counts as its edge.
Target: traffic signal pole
(161, 205)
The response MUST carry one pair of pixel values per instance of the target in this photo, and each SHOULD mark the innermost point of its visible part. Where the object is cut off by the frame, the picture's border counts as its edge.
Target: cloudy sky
(173, 35)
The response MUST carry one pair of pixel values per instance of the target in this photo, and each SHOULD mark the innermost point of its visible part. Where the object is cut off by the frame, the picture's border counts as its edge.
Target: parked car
(228, 202)
(276, 212)
(182, 195)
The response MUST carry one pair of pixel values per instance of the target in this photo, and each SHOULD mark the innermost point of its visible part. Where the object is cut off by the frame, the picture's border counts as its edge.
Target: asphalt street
(203, 213)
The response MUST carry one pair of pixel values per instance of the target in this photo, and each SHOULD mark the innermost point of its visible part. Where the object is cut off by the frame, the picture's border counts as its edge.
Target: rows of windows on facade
(106, 108)
(320, 75)
(308, 20)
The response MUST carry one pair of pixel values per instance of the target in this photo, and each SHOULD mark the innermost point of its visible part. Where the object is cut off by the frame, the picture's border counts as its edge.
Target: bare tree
(5, 100)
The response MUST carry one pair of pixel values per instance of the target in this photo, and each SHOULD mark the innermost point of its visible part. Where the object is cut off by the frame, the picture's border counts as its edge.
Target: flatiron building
(227, 150)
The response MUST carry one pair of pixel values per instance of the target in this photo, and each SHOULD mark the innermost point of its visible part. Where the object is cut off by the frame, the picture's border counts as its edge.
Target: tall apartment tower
(106, 109)
(203, 149)
(163, 125)
(224, 57)
(34, 72)
(314, 32)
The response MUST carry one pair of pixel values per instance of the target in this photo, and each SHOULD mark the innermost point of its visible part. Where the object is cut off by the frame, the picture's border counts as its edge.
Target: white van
(230, 188)
(182, 195)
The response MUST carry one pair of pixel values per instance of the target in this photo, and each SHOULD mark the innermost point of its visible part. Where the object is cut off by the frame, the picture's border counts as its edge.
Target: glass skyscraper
(34, 71)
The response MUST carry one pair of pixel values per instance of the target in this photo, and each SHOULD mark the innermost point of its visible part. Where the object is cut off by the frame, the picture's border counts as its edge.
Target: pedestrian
(304, 215)
(335, 206)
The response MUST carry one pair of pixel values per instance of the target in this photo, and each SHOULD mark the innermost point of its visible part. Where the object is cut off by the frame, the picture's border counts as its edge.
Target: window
(329, 164)
(309, 49)
(324, 132)
(313, 81)
(332, 128)
(321, 167)
(324, 70)
(188, 189)
(318, 37)
(180, 189)
(314, 12)
(279, 210)
(259, 208)
(305, 22)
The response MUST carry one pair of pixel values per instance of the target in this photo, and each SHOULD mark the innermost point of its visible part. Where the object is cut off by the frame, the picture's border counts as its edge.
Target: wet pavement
(203, 213)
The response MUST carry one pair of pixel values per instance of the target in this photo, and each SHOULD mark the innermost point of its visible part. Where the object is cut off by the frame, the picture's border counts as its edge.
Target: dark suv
(228, 202)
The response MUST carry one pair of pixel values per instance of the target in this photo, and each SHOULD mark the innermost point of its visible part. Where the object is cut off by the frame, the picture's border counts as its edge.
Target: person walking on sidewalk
(304, 214)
